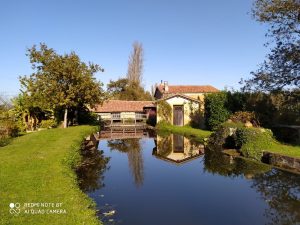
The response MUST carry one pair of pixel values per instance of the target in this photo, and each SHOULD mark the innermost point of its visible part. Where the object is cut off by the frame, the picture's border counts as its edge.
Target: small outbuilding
(122, 110)
(186, 102)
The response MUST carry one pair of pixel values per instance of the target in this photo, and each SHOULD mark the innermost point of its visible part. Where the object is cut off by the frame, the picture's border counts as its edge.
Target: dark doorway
(178, 143)
(178, 115)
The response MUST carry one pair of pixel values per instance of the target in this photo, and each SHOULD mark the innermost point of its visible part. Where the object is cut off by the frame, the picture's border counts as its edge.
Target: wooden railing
(123, 119)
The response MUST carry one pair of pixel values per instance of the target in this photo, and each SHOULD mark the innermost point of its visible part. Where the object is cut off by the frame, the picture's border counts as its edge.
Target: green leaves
(61, 80)
(281, 69)
(215, 110)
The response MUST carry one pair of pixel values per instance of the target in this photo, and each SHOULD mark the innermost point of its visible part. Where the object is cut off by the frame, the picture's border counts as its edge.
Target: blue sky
(185, 41)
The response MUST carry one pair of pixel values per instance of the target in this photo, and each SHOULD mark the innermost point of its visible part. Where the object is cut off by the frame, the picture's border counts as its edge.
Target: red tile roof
(123, 106)
(189, 89)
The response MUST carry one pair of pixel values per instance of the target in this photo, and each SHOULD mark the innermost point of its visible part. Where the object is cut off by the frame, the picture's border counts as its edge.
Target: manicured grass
(188, 131)
(36, 168)
(284, 149)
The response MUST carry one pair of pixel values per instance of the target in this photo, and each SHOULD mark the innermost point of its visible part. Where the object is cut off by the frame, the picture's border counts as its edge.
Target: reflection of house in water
(123, 133)
(177, 148)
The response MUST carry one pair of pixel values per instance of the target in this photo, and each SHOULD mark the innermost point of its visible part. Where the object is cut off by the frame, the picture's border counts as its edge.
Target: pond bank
(38, 168)
(187, 131)
(255, 143)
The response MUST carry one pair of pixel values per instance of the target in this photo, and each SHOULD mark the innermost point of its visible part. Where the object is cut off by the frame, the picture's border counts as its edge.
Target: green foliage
(243, 117)
(281, 68)
(253, 141)
(282, 107)
(215, 110)
(61, 80)
(196, 116)
(51, 123)
(8, 123)
(122, 89)
(164, 111)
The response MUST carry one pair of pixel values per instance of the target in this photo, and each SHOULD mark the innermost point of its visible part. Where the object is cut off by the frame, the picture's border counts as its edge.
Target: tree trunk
(66, 118)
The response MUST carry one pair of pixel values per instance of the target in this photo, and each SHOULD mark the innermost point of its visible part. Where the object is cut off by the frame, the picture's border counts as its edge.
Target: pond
(168, 180)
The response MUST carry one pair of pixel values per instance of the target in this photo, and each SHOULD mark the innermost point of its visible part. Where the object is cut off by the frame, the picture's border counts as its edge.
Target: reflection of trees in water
(164, 144)
(216, 162)
(282, 192)
(90, 172)
(135, 157)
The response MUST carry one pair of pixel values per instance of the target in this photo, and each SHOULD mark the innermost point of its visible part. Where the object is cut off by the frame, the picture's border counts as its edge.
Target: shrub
(253, 141)
(48, 123)
(243, 117)
(215, 111)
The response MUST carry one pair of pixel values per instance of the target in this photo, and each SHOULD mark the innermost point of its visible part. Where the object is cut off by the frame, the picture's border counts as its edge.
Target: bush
(215, 111)
(87, 117)
(48, 123)
(253, 141)
(243, 117)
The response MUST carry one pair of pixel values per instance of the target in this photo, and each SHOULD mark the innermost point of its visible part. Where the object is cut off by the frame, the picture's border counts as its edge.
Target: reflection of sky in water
(209, 189)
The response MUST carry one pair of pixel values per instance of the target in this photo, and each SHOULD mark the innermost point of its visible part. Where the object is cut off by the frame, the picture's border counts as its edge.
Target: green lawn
(185, 130)
(36, 168)
(284, 149)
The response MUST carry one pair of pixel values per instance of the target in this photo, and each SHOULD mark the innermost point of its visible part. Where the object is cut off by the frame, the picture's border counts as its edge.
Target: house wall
(187, 108)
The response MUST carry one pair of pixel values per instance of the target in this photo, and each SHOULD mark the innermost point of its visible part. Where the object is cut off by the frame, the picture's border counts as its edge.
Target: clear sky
(185, 41)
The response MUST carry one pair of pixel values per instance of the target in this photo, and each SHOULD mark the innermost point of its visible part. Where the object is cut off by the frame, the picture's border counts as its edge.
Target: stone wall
(282, 161)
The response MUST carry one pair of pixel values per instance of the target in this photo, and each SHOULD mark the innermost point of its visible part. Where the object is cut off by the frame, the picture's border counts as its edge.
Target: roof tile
(123, 106)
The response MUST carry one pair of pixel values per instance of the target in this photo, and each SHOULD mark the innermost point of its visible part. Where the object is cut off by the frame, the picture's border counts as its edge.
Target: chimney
(166, 86)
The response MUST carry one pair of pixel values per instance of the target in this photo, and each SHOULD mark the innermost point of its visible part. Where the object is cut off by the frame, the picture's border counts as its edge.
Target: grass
(36, 168)
(255, 140)
(198, 134)
(284, 149)
(187, 131)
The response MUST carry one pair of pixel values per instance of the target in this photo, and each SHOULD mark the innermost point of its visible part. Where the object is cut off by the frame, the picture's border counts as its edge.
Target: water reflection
(93, 165)
(135, 156)
(282, 193)
(176, 148)
(217, 163)
(240, 191)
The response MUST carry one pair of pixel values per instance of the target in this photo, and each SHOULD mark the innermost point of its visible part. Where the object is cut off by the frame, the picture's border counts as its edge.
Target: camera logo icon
(14, 208)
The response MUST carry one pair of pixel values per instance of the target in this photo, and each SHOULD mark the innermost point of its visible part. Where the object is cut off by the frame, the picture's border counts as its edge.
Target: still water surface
(169, 181)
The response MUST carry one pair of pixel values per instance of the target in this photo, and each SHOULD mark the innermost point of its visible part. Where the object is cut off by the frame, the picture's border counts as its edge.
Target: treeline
(270, 109)
(62, 89)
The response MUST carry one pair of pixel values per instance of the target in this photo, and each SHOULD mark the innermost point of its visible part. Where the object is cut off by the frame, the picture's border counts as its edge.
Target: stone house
(186, 101)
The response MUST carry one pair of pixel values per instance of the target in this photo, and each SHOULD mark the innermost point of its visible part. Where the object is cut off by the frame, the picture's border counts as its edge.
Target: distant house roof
(123, 106)
(188, 89)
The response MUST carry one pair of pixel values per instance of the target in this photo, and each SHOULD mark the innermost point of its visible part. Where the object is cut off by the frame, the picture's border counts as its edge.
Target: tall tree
(281, 69)
(135, 64)
(122, 89)
(61, 80)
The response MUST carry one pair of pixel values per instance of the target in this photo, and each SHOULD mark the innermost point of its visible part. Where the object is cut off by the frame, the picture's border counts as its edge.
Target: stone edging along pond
(282, 161)
(254, 143)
